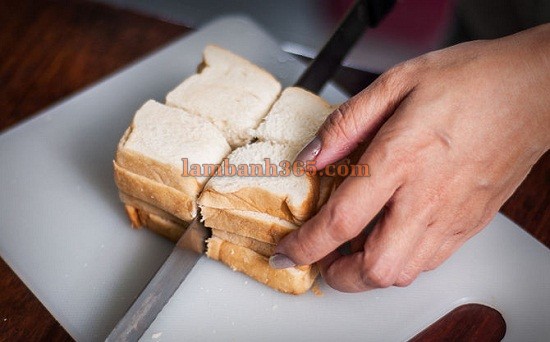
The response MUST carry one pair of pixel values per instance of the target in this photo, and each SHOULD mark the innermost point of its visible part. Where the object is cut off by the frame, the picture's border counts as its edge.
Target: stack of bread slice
(194, 124)
(235, 112)
(264, 209)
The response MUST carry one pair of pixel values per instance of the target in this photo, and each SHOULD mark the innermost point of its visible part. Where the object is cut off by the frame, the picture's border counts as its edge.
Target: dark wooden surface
(50, 49)
(470, 322)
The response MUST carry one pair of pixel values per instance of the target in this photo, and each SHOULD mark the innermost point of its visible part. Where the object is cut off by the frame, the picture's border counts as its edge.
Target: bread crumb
(274, 307)
(246, 282)
(5, 319)
(316, 290)
(157, 335)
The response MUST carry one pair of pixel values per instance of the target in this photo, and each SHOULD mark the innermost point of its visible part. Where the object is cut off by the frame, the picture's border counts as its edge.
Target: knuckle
(303, 253)
(393, 154)
(304, 250)
(340, 126)
(378, 276)
(394, 73)
(401, 71)
(406, 278)
(340, 226)
(433, 264)
(460, 233)
(424, 60)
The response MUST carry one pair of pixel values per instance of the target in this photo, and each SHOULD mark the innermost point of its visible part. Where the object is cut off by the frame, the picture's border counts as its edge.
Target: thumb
(359, 118)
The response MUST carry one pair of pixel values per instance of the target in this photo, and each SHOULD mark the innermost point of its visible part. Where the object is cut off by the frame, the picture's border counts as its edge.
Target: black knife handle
(378, 10)
(363, 13)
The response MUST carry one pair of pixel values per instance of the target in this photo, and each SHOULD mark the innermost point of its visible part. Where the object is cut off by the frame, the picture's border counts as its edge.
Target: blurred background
(412, 28)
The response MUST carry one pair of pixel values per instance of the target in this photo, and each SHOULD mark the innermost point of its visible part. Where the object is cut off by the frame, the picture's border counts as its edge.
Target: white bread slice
(229, 91)
(294, 118)
(295, 280)
(242, 254)
(143, 215)
(155, 193)
(292, 198)
(143, 206)
(263, 248)
(255, 225)
(169, 229)
(148, 163)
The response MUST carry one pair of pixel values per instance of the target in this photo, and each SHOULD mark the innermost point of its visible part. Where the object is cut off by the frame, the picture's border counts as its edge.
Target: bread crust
(290, 280)
(146, 207)
(263, 201)
(141, 214)
(141, 218)
(263, 248)
(156, 171)
(211, 50)
(230, 221)
(242, 254)
(157, 194)
(167, 228)
(133, 216)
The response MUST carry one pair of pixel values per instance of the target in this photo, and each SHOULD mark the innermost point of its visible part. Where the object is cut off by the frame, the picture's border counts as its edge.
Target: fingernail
(311, 151)
(280, 261)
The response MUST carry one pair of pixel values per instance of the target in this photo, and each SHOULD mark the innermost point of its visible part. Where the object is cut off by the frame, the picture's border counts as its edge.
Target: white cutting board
(63, 231)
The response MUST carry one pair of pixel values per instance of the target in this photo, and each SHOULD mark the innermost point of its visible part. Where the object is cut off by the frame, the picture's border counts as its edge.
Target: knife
(363, 13)
(166, 281)
(192, 244)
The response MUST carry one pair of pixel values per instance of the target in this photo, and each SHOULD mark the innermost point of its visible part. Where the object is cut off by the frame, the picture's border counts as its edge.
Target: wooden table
(50, 49)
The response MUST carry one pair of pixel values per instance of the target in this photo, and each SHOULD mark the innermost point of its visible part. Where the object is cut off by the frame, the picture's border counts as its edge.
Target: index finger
(349, 209)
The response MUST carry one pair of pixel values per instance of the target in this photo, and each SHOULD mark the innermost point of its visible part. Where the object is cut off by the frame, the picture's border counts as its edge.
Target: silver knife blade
(166, 281)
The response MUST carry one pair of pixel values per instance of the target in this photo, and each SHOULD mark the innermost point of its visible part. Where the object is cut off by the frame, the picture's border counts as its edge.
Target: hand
(452, 134)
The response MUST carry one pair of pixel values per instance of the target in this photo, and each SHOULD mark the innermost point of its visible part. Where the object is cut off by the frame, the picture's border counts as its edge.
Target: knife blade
(187, 251)
(192, 244)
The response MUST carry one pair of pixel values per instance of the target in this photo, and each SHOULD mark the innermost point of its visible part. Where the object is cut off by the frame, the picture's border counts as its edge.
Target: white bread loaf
(148, 163)
(224, 106)
(230, 92)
